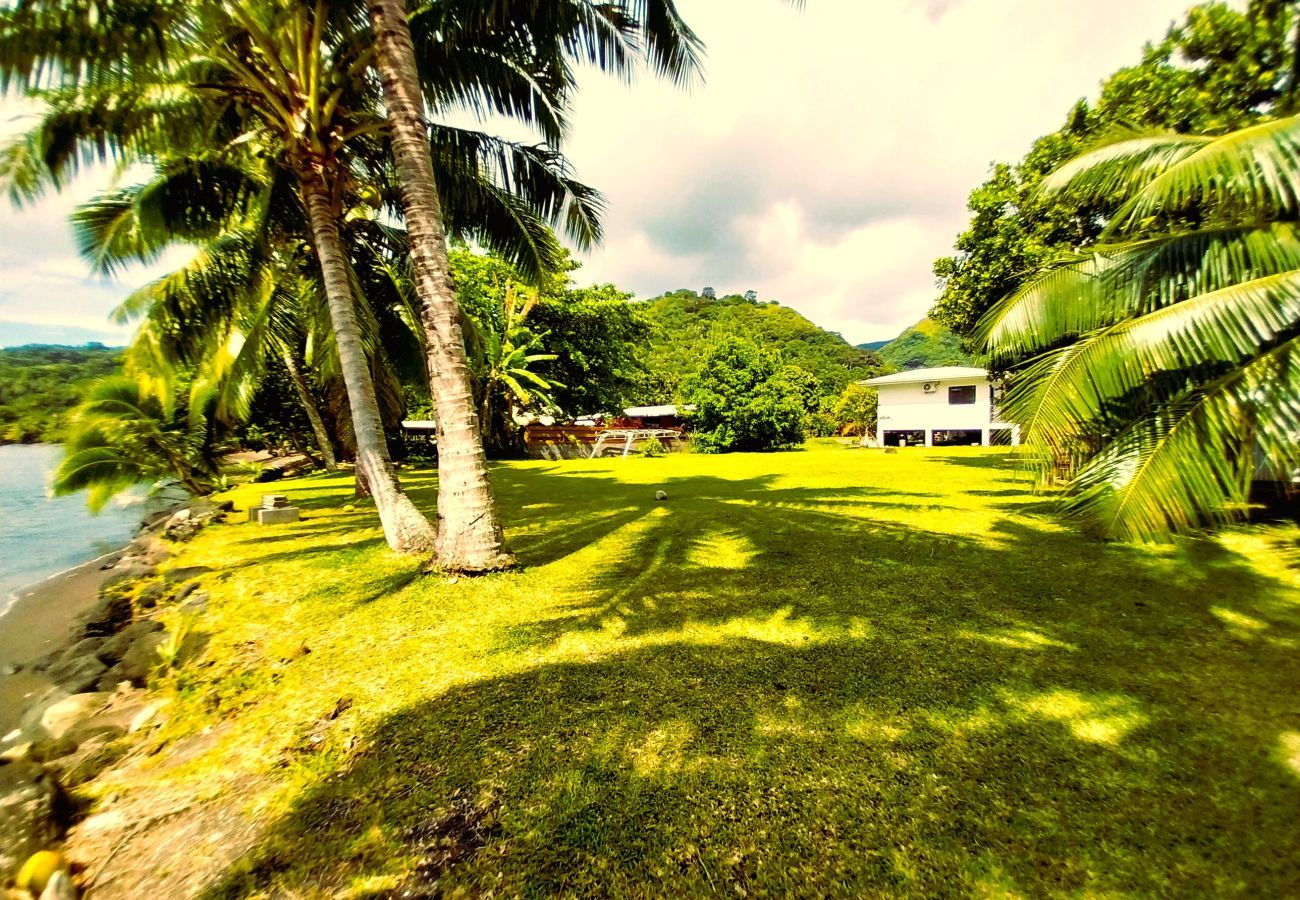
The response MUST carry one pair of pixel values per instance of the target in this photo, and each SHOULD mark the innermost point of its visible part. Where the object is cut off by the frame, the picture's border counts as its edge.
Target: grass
(829, 671)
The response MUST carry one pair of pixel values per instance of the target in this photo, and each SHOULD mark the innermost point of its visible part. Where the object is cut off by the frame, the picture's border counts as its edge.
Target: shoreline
(38, 621)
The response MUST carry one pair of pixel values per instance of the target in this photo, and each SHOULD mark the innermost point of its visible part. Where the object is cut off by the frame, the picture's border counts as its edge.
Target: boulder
(86, 763)
(48, 749)
(30, 814)
(63, 717)
(149, 549)
(83, 647)
(108, 615)
(140, 660)
(151, 595)
(78, 674)
(60, 887)
(196, 604)
(129, 569)
(112, 650)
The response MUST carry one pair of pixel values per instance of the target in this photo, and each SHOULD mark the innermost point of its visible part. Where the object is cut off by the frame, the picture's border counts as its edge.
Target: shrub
(652, 447)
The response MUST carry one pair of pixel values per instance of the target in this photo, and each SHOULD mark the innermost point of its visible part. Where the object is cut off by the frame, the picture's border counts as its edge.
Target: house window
(961, 395)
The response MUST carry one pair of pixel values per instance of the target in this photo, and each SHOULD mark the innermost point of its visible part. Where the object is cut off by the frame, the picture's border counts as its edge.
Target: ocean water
(41, 535)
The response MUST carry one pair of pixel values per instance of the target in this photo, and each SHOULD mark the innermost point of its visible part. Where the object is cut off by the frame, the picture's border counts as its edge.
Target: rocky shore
(75, 709)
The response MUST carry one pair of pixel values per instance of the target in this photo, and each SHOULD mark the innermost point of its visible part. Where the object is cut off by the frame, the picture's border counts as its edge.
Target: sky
(824, 161)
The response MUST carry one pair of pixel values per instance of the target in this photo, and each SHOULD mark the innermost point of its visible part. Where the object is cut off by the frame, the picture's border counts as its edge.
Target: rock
(60, 887)
(63, 717)
(108, 616)
(128, 571)
(147, 716)
(38, 870)
(88, 761)
(48, 749)
(661, 495)
(113, 649)
(150, 550)
(16, 753)
(141, 659)
(78, 674)
(112, 680)
(196, 604)
(151, 595)
(83, 647)
(30, 813)
(186, 573)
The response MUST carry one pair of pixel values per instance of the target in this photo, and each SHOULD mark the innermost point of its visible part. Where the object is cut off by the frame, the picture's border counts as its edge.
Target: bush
(743, 401)
(652, 447)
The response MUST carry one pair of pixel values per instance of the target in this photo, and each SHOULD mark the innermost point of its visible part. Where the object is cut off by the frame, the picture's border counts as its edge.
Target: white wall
(906, 407)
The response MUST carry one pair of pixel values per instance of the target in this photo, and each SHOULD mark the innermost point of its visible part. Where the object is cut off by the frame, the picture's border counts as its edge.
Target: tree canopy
(41, 384)
(683, 322)
(1221, 68)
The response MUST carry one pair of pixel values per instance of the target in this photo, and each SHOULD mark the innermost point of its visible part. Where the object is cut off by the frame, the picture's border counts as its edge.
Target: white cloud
(827, 159)
(825, 163)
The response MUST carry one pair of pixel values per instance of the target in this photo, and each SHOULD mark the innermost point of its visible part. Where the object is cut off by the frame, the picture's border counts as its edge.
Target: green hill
(684, 323)
(41, 383)
(925, 344)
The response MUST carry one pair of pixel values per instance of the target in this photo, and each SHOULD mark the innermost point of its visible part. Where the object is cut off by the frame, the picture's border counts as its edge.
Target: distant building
(942, 407)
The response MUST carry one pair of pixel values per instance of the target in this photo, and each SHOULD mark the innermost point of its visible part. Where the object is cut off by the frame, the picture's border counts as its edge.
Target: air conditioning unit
(930, 387)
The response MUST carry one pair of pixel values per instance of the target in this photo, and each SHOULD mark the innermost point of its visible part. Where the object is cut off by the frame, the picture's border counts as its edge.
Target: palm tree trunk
(405, 527)
(469, 528)
(309, 407)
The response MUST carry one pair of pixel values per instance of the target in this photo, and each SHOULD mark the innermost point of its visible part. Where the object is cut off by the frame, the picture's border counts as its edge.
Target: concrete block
(278, 516)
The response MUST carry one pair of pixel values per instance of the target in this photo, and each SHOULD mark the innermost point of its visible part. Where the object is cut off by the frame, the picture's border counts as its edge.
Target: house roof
(940, 373)
(645, 412)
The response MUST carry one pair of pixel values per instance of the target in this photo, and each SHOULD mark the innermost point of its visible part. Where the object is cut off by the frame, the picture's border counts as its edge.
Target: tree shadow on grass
(798, 698)
(849, 767)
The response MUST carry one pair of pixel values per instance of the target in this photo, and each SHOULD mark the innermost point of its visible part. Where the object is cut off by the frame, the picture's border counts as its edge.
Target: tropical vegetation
(742, 398)
(40, 385)
(1225, 66)
(1165, 368)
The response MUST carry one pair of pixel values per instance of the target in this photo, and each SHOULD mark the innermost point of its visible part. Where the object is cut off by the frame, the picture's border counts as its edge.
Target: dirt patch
(458, 834)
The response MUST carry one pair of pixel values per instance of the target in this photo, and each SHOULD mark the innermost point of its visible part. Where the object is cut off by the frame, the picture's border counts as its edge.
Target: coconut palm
(291, 80)
(611, 36)
(123, 436)
(1164, 364)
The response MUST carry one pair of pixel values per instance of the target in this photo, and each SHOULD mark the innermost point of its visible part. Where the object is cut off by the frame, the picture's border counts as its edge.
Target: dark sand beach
(39, 621)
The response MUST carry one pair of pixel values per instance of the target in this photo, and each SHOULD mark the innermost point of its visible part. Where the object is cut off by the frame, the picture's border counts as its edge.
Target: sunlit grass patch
(834, 671)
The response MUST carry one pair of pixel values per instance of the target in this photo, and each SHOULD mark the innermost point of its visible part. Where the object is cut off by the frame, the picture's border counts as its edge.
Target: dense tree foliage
(684, 321)
(40, 385)
(745, 399)
(591, 338)
(856, 410)
(1222, 68)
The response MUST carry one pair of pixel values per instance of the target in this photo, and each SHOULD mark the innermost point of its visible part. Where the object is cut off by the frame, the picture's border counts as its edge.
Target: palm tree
(611, 36)
(288, 78)
(123, 436)
(1164, 364)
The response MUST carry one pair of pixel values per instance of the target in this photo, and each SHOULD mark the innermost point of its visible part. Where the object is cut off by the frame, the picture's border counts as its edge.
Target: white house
(947, 406)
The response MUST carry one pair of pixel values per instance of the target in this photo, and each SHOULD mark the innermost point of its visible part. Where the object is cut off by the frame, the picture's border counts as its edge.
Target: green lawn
(833, 671)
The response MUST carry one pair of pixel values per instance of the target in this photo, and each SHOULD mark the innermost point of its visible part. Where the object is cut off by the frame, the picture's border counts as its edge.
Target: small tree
(743, 401)
(855, 410)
